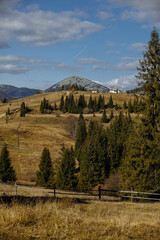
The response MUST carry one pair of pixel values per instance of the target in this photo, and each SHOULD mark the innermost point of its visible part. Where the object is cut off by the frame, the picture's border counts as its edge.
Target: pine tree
(42, 107)
(149, 75)
(116, 106)
(135, 105)
(94, 163)
(90, 103)
(130, 107)
(95, 105)
(81, 133)
(101, 102)
(61, 106)
(110, 103)
(111, 115)
(7, 173)
(104, 117)
(66, 177)
(140, 169)
(8, 111)
(45, 174)
(118, 134)
(125, 104)
(143, 151)
(55, 107)
(23, 110)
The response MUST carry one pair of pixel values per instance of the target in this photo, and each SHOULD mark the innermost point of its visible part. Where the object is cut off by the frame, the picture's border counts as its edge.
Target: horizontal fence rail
(99, 194)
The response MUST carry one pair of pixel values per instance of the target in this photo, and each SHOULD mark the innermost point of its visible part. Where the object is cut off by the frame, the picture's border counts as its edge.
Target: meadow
(27, 136)
(63, 218)
(69, 219)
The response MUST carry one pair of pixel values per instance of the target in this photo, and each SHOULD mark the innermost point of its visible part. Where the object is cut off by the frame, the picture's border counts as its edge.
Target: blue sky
(43, 42)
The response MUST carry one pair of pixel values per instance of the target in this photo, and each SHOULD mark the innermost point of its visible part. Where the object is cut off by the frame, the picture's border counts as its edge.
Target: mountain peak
(87, 84)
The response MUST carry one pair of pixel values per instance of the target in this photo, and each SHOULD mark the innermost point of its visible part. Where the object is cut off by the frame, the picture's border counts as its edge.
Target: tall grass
(66, 219)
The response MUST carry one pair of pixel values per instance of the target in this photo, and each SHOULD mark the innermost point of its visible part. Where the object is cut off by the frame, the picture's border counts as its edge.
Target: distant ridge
(87, 84)
(11, 92)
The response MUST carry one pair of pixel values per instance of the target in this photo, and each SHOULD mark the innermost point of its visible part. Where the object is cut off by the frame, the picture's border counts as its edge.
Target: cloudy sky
(43, 42)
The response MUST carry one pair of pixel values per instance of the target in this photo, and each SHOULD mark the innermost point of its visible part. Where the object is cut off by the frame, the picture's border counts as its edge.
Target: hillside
(87, 84)
(11, 92)
(38, 130)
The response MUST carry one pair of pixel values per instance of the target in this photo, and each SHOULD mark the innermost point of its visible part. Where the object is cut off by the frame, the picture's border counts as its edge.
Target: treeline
(72, 87)
(72, 105)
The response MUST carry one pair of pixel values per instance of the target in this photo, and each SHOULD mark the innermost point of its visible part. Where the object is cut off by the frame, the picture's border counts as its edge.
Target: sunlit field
(67, 219)
(36, 130)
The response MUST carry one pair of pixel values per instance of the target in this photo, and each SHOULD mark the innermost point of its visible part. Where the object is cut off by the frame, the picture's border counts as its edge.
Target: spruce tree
(90, 103)
(125, 104)
(104, 117)
(140, 169)
(130, 107)
(61, 106)
(55, 107)
(94, 163)
(111, 115)
(23, 110)
(149, 76)
(143, 151)
(66, 177)
(45, 174)
(81, 133)
(110, 103)
(7, 173)
(118, 133)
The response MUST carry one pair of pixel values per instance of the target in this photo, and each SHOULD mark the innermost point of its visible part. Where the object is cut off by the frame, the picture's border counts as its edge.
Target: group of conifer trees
(99, 152)
(136, 106)
(72, 105)
(130, 149)
(69, 104)
(45, 106)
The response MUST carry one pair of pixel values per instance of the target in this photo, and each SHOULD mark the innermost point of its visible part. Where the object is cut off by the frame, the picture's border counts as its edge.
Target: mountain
(87, 84)
(11, 92)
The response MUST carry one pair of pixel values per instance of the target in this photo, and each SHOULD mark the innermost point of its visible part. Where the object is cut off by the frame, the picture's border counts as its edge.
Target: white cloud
(98, 67)
(128, 58)
(112, 52)
(20, 60)
(138, 46)
(140, 11)
(110, 44)
(42, 28)
(13, 69)
(127, 66)
(123, 82)
(88, 60)
(105, 15)
(62, 66)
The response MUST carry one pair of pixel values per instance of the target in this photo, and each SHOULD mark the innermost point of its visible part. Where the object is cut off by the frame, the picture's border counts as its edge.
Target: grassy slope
(86, 221)
(42, 130)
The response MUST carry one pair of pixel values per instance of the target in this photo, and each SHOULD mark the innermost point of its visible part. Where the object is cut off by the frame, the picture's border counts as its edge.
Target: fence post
(99, 192)
(54, 190)
(131, 194)
(16, 189)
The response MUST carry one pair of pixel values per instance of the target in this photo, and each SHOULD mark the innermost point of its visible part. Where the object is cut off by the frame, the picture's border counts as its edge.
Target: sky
(43, 42)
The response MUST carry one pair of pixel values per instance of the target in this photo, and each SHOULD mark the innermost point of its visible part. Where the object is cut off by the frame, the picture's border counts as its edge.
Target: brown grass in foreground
(69, 220)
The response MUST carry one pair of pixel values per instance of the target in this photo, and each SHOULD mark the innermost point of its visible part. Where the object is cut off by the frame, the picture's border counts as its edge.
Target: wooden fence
(100, 194)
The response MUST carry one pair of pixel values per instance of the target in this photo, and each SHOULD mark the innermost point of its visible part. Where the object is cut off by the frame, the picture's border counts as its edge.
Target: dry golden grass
(38, 130)
(80, 221)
